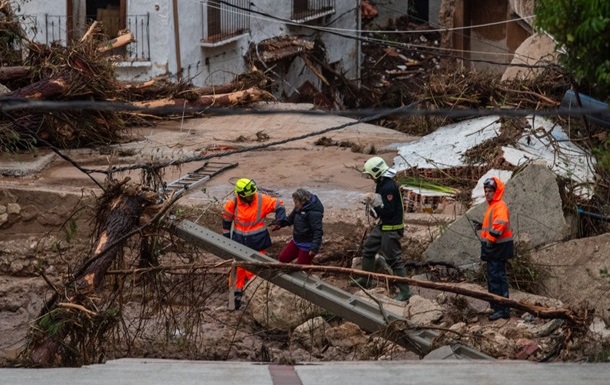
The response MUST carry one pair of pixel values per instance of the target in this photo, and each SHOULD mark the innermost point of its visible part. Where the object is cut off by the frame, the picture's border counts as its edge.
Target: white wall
(35, 22)
(206, 65)
(162, 59)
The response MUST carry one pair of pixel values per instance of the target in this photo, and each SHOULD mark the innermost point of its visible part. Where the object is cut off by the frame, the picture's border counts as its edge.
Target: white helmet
(375, 167)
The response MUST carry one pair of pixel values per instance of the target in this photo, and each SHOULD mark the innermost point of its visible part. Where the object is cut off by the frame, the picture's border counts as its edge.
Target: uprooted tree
(58, 332)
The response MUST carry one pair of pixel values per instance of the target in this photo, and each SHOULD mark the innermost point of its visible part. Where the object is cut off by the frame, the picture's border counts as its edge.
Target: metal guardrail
(341, 303)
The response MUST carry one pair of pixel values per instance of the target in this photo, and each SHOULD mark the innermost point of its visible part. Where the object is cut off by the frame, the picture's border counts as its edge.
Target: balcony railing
(55, 29)
(138, 50)
(305, 10)
(45, 28)
(223, 20)
(49, 29)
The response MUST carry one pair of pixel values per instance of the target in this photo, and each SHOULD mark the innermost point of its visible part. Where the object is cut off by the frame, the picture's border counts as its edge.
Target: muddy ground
(182, 313)
(52, 231)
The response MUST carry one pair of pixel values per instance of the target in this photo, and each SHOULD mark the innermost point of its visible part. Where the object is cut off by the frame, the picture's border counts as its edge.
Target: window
(223, 20)
(305, 10)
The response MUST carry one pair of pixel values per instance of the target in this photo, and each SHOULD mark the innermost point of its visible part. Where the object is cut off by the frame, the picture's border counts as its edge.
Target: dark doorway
(108, 13)
(81, 13)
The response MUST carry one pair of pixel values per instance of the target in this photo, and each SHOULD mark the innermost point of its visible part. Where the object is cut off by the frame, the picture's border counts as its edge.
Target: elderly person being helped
(306, 219)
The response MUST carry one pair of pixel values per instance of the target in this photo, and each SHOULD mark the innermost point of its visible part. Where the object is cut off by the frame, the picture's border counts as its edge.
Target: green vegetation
(582, 31)
(424, 184)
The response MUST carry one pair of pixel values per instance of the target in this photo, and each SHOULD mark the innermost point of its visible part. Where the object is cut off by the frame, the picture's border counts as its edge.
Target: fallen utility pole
(368, 316)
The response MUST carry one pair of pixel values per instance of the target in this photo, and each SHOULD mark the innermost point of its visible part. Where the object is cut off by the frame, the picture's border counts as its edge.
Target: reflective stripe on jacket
(248, 219)
(496, 221)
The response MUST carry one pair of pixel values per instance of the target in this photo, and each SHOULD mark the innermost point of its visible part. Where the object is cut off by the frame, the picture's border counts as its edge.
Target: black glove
(476, 224)
(227, 235)
(489, 244)
(279, 223)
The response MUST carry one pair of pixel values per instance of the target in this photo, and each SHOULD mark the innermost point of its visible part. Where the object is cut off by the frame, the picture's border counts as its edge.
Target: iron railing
(305, 10)
(54, 29)
(138, 50)
(224, 19)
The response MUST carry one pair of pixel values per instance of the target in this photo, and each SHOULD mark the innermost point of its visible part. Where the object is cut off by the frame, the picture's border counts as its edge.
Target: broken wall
(482, 33)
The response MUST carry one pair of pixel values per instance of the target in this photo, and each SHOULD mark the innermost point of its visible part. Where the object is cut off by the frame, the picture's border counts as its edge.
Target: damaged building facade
(205, 42)
(480, 31)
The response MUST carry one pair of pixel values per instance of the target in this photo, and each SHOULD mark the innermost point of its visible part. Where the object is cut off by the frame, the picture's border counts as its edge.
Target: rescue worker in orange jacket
(243, 220)
(497, 244)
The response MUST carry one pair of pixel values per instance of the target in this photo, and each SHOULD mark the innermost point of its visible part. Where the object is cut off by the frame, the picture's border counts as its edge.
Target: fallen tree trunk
(537, 310)
(221, 100)
(215, 90)
(8, 73)
(57, 85)
(43, 89)
(90, 31)
(117, 42)
(125, 214)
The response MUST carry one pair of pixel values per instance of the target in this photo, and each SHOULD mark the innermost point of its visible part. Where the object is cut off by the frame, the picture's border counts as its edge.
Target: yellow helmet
(375, 167)
(245, 187)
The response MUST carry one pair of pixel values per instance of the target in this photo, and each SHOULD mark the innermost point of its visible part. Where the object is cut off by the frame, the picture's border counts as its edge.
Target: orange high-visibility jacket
(248, 220)
(496, 222)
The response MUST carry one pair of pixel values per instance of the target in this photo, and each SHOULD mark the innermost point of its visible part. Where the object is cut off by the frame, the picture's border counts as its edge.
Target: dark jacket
(392, 212)
(307, 223)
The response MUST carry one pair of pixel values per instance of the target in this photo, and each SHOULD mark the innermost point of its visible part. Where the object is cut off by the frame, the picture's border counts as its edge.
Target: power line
(340, 32)
(267, 17)
(8, 105)
(366, 115)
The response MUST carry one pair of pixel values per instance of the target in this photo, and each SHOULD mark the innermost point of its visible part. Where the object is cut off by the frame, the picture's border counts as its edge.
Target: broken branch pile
(84, 71)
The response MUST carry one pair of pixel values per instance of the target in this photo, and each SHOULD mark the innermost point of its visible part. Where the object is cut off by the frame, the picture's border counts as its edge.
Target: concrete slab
(25, 164)
(153, 372)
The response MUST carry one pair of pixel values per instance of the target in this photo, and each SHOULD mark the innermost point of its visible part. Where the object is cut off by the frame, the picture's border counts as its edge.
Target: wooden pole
(537, 310)
(7, 73)
(177, 41)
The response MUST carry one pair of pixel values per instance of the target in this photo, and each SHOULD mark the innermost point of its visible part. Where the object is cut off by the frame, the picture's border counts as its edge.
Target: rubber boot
(368, 264)
(238, 295)
(404, 290)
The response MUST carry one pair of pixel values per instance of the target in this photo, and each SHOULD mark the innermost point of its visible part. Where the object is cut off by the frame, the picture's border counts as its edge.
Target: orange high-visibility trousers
(242, 275)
